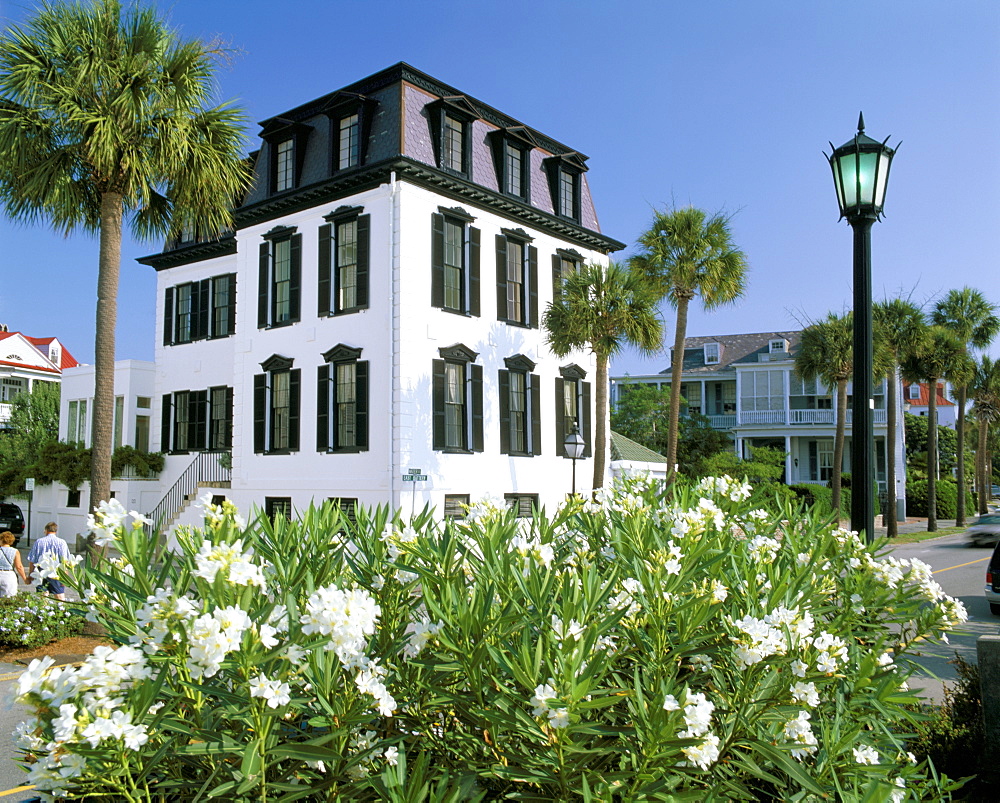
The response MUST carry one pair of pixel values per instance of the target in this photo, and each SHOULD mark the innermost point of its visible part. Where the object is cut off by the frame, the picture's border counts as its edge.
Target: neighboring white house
(370, 332)
(25, 360)
(916, 401)
(745, 385)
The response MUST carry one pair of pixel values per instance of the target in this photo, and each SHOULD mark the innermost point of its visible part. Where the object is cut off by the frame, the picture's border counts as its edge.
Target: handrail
(204, 467)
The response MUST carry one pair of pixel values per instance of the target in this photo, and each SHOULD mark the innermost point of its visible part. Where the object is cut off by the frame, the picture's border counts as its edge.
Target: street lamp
(860, 174)
(574, 445)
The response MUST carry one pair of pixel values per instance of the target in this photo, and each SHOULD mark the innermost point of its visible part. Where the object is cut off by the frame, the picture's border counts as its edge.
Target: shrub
(818, 496)
(946, 494)
(31, 620)
(679, 643)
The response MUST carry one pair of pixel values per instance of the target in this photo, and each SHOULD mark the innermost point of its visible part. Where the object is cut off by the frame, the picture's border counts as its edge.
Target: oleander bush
(680, 644)
(31, 620)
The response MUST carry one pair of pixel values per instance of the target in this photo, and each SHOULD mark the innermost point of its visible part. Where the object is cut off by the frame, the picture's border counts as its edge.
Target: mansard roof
(734, 350)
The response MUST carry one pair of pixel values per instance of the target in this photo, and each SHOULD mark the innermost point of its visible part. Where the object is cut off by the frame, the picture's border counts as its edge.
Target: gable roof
(41, 346)
(623, 448)
(924, 399)
(733, 350)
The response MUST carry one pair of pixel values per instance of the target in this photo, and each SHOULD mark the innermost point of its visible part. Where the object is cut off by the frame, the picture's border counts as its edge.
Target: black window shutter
(474, 306)
(323, 408)
(229, 410)
(477, 407)
(560, 417)
(295, 284)
(198, 420)
(813, 461)
(259, 412)
(325, 267)
(364, 224)
(165, 420)
(168, 317)
(232, 310)
(437, 404)
(536, 415)
(437, 261)
(200, 315)
(293, 409)
(556, 277)
(361, 404)
(501, 278)
(263, 284)
(585, 414)
(504, 385)
(533, 286)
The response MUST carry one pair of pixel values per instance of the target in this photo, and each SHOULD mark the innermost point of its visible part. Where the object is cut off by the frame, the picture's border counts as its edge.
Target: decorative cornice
(519, 363)
(188, 254)
(458, 351)
(572, 371)
(341, 353)
(276, 362)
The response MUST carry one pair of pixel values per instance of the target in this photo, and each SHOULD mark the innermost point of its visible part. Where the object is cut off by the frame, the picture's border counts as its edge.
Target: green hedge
(947, 499)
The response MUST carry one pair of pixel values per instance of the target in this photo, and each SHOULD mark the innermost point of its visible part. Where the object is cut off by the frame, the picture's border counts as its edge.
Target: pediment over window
(458, 104)
(517, 234)
(571, 160)
(570, 253)
(341, 102)
(279, 233)
(341, 353)
(517, 134)
(343, 211)
(572, 371)
(519, 363)
(456, 212)
(277, 362)
(281, 128)
(459, 352)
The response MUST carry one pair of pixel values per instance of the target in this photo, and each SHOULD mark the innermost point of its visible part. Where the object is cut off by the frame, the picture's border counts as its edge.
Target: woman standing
(10, 562)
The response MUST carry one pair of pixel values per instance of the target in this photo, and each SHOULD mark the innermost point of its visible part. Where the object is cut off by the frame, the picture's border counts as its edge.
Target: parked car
(11, 519)
(985, 531)
(993, 581)
(995, 491)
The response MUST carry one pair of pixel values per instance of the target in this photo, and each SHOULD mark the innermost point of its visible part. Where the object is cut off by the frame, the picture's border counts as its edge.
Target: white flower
(573, 630)
(805, 693)
(865, 755)
(543, 693)
(670, 703)
(421, 633)
(391, 755)
(704, 754)
(799, 668)
(346, 617)
(719, 591)
(799, 731)
(273, 692)
(899, 794)
(559, 718)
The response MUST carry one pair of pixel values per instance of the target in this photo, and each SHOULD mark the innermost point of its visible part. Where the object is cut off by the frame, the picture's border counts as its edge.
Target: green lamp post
(860, 173)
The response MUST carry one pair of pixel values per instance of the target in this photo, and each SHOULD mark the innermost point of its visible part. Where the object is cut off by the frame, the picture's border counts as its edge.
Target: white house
(370, 332)
(917, 397)
(25, 360)
(746, 385)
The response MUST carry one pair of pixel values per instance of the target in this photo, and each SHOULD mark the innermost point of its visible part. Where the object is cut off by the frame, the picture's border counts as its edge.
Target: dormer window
(712, 353)
(778, 346)
(350, 119)
(914, 391)
(565, 172)
(451, 123)
(512, 157)
(55, 354)
(287, 141)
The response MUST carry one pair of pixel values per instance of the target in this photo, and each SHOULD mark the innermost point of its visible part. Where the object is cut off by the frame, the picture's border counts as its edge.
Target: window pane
(571, 408)
(280, 410)
(567, 194)
(284, 174)
(183, 326)
(220, 307)
(346, 401)
(347, 264)
(282, 280)
(454, 265)
(349, 138)
(512, 157)
(119, 419)
(142, 433)
(518, 412)
(515, 281)
(221, 423)
(454, 405)
(181, 423)
(452, 145)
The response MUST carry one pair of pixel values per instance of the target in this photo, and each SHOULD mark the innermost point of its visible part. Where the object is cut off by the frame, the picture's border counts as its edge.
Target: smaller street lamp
(574, 445)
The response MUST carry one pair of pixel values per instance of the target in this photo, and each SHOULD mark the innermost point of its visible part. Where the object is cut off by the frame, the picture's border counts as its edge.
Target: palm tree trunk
(889, 515)
(932, 449)
(981, 474)
(104, 350)
(838, 445)
(676, 369)
(601, 414)
(960, 468)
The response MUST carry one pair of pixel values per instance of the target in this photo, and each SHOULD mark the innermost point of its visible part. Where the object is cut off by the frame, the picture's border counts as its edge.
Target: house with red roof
(917, 398)
(25, 360)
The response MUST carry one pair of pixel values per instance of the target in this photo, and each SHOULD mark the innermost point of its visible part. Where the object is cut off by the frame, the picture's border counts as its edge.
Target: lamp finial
(861, 122)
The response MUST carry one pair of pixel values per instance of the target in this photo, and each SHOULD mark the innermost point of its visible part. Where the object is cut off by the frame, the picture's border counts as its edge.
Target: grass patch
(913, 538)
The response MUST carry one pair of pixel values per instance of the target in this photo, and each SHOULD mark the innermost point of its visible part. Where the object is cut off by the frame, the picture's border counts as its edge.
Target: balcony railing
(5, 413)
(774, 418)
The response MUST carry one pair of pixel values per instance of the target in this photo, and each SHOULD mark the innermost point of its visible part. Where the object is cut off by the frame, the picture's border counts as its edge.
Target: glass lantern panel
(866, 177)
(847, 169)
(883, 175)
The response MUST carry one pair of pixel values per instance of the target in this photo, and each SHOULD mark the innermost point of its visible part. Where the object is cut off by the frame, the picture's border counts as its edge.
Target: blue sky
(724, 105)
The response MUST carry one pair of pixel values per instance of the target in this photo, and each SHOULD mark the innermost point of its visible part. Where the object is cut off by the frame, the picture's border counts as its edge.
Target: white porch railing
(758, 417)
(721, 421)
(4, 413)
(811, 416)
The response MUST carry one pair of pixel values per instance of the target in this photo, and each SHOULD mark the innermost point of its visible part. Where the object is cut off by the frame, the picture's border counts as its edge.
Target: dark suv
(11, 519)
(993, 582)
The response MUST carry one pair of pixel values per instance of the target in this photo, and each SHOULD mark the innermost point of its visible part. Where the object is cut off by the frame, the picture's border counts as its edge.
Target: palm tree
(940, 356)
(685, 253)
(984, 389)
(826, 353)
(899, 327)
(973, 319)
(105, 116)
(603, 309)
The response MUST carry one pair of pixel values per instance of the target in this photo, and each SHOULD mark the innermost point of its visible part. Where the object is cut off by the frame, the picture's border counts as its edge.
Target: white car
(985, 531)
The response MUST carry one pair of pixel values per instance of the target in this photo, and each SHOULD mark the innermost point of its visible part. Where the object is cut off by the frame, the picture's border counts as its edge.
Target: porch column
(789, 479)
